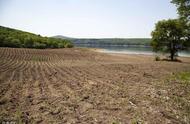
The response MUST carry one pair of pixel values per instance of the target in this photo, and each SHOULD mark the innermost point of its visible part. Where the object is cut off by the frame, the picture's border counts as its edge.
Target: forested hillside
(20, 39)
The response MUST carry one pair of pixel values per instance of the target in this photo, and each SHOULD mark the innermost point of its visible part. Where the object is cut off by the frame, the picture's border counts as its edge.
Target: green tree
(61, 45)
(16, 43)
(68, 45)
(39, 45)
(168, 37)
(28, 42)
(183, 7)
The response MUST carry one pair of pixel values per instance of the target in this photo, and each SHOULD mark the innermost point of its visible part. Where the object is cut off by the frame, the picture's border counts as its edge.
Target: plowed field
(81, 86)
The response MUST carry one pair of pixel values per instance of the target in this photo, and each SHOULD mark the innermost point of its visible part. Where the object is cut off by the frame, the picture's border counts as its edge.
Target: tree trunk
(172, 54)
(172, 51)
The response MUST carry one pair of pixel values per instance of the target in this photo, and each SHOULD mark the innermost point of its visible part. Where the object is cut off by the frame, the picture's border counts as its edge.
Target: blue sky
(86, 18)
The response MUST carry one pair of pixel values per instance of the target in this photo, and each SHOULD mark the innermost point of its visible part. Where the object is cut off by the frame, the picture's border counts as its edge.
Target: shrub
(39, 45)
(157, 58)
(68, 45)
(16, 43)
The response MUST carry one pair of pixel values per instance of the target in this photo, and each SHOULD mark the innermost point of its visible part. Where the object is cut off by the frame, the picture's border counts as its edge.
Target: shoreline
(127, 52)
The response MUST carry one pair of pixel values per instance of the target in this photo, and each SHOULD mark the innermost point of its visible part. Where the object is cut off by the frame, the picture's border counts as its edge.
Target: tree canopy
(183, 7)
(173, 35)
(16, 38)
(168, 37)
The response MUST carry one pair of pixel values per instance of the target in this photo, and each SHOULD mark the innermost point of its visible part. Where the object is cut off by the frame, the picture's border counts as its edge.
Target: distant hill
(62, 37)
(16, 38)
(108, 41)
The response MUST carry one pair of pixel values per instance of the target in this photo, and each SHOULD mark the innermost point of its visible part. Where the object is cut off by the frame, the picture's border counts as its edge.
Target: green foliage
(183, 7)
(38, 45)
(184, 76)
(28, 42)
(180, 95)
(157, 58)
(16, 42)
(16, 38)
(68, 45)
(168, 37)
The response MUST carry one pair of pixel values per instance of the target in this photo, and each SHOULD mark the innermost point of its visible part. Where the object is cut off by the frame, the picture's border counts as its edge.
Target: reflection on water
(127, 49)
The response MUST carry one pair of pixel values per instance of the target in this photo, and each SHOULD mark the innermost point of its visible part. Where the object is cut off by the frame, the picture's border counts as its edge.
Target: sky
(86, 18)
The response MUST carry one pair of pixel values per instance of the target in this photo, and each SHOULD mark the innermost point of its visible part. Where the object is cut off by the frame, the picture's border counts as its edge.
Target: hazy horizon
(86, 19)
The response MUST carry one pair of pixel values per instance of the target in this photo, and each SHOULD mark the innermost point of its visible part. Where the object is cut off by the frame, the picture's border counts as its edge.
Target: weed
(136, 121)
(157, 58)
(179, 85)
(184, 76)
(37, 58)
(18, 116)
(115, 122)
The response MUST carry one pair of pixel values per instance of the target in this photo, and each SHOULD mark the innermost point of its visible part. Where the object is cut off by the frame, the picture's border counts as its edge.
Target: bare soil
(84, 86)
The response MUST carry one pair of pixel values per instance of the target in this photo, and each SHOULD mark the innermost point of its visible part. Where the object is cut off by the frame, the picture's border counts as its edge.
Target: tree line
(20, 39)
(173, 35)
(114, 41)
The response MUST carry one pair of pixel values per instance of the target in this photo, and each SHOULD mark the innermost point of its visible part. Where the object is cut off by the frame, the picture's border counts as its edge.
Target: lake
(127, 49)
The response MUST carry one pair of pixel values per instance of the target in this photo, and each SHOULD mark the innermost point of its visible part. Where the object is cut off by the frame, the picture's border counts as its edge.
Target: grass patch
(177, 106)
(38, 58)
(184, 76)
(137, 120)
(18, 116)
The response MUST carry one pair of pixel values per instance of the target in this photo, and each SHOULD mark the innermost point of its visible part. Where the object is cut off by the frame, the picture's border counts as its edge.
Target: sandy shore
(83, 86)
(129, 52)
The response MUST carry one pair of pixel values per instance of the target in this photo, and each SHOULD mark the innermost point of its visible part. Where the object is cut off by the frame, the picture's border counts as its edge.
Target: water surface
(128, 49)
